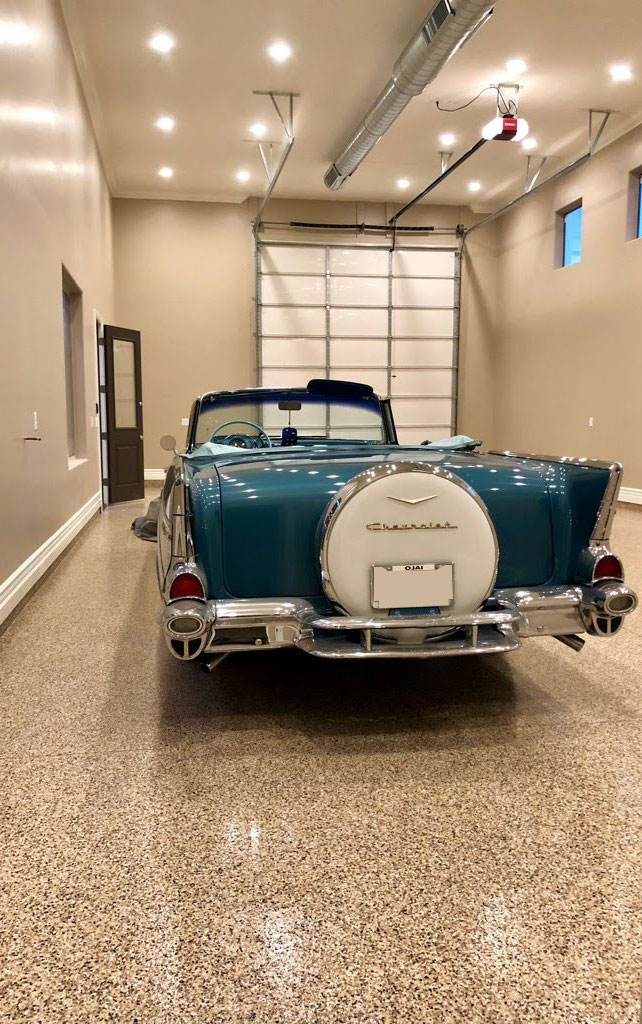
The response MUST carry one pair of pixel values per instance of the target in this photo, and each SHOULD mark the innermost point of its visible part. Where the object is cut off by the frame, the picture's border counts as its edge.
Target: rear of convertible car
(387, 552)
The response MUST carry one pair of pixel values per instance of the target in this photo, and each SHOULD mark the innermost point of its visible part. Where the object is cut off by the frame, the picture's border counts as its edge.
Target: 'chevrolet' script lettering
(411, 526)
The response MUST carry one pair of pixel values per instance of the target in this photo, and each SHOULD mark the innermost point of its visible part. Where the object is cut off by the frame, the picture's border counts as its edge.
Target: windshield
(314, 417)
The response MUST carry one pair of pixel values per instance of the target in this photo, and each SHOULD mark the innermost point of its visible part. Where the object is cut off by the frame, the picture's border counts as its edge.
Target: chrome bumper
(192, 628)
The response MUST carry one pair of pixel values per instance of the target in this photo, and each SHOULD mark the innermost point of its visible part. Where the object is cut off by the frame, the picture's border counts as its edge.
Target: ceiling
(342, 54)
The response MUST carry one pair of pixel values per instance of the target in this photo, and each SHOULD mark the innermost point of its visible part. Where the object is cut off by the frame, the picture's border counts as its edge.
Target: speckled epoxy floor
(291, 840)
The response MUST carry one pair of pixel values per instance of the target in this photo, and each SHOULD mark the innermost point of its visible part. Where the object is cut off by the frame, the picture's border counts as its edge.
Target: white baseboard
(18, 585)
(154, 474)
(632, 494)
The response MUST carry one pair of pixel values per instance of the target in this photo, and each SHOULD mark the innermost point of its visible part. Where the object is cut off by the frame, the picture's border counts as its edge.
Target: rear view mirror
(289, 406)
(168, 443)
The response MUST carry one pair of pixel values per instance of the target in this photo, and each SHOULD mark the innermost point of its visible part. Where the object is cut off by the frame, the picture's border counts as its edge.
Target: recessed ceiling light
(162, 42)
(165, 124)
(258, 130)
(402, 183)
(516, 66)
(166, 172)
(474, 186)
(243, 175)
(279, 51)
(620, 72)
(529, 143)
(16, 33)
(447, 139)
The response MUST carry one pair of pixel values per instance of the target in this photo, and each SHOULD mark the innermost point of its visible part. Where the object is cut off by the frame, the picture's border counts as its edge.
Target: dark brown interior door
(124, 414)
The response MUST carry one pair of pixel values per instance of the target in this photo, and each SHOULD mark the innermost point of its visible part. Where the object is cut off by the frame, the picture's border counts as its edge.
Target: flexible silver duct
(447, 27)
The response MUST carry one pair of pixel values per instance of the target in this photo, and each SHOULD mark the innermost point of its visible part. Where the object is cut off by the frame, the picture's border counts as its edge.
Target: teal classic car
(294, 518)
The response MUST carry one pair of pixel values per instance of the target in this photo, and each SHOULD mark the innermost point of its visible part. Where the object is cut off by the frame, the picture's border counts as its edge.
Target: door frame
(108, 411)
(101, 417)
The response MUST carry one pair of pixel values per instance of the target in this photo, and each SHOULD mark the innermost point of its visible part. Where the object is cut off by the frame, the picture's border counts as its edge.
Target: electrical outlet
(185, 422)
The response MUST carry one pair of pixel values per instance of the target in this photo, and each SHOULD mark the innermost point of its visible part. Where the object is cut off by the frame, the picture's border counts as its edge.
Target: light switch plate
(185, 422)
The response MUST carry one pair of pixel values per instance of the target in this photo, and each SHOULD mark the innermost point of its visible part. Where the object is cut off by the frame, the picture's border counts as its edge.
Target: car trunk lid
(272, 506)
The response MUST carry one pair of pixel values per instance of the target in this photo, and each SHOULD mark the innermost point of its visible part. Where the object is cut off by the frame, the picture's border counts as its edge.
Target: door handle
(141, 436)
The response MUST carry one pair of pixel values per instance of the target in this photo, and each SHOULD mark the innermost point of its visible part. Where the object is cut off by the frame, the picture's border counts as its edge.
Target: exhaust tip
(620, 604)
(185, 625)
(576, 643)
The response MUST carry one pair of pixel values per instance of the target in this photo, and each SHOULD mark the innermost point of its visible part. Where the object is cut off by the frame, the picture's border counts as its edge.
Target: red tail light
(186, 584)
(608, 567)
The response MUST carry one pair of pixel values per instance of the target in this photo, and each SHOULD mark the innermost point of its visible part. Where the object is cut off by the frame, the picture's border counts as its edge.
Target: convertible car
(295, 518)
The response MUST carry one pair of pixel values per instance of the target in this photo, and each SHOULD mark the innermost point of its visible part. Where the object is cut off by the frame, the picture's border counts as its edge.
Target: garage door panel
(412, 323)
(410, 412)
(359, 291)
(282, 322)
(294, 352)
(415, 435)
(292, 377)
(359, 261)
(360, 323)
(421, 291)
(348, 416)
(358, 352)
(377, 379)
(293, 290)
(422, 382)
(292, 260)
(422, 352)
(423, 263)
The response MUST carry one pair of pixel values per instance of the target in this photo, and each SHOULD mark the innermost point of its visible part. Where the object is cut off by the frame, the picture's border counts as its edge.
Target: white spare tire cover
(406, 513)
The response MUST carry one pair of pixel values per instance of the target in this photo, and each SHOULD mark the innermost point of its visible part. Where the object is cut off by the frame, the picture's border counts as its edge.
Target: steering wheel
(246, 423)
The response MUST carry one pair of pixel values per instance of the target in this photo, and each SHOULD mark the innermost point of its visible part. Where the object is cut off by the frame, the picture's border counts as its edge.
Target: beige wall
(184, 276)
(567, 341)
(54, 210)
(478, 333)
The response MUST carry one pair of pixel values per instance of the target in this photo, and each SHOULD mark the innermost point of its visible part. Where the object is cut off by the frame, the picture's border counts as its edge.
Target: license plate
(427, 585)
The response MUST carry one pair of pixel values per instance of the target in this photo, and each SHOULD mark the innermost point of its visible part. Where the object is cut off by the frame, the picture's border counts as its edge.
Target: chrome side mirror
(168, 443)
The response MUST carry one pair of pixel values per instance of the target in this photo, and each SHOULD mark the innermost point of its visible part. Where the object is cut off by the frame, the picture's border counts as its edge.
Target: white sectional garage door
(364, 313)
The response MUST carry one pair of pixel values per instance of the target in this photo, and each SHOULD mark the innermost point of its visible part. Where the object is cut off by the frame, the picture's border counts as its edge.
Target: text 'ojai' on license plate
(420, 585)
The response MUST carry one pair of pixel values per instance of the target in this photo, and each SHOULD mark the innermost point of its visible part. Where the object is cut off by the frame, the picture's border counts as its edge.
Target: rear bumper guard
(215, 627)
(485, 632)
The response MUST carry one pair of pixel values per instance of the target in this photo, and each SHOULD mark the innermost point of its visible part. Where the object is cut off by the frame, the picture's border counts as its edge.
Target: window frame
(70, 399)
(634, 205)
(562, 216)
(73, 353)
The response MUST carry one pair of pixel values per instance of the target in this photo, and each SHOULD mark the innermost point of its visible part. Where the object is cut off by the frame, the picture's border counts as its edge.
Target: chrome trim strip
(182, 555)
(606, 512)
(504, 617)
(368, 476)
